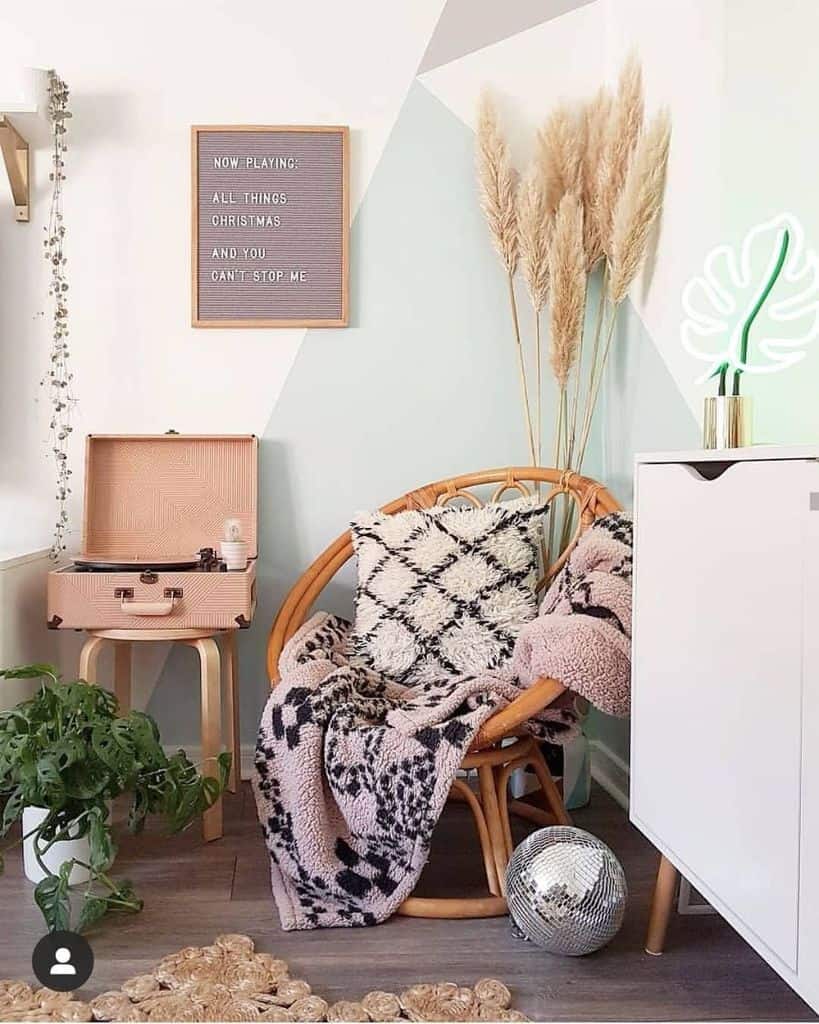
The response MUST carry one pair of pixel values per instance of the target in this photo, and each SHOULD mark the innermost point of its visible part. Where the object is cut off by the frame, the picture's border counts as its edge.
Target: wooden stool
(211, 677)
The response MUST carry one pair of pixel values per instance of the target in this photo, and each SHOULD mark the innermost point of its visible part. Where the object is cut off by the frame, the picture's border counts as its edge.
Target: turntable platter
(96, 564)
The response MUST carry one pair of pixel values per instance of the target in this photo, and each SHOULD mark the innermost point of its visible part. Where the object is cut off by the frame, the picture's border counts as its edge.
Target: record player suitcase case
(152, 504)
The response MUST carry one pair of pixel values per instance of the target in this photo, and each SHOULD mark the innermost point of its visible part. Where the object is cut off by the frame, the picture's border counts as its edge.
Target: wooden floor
(192, 892)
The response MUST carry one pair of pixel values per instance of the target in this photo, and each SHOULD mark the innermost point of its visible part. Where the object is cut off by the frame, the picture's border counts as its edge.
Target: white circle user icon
(63, 965)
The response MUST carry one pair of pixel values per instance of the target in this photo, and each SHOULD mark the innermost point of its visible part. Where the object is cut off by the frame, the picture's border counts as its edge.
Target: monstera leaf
(754, 310)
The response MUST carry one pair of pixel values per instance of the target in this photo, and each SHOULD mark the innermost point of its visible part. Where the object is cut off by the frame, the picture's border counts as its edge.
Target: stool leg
(230, 675)
(88, 658)
(122, 675)
(211, 727)
(661, 905)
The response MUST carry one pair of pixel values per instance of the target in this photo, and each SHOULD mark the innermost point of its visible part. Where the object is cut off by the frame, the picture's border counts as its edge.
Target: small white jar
(234, 553)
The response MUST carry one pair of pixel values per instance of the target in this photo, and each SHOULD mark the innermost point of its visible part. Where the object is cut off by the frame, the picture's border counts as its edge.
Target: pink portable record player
(155, 508)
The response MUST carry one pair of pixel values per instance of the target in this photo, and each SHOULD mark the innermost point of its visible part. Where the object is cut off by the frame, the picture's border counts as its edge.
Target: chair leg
(211, 726)
(491, 811)
(661, 904)
(122, 675)
(231, 688)
(464, 793)
(548, 785)
(504, 773)
(89, 655)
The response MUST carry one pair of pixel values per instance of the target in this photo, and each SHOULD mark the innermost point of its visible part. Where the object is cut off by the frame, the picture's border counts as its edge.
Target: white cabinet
(725, 708)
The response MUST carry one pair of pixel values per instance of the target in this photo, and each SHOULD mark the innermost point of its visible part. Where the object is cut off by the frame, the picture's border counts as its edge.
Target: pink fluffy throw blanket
(353, 769)
(582, 635)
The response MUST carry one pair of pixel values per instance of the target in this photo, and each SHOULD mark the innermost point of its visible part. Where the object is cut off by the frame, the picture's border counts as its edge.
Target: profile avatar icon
(62, 965)
(62, 961)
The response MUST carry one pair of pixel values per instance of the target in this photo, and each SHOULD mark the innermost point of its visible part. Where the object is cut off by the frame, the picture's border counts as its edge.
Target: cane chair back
(591, 499)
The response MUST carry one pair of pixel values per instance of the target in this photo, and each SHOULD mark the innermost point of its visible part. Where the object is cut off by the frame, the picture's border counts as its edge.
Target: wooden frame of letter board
(343, 321)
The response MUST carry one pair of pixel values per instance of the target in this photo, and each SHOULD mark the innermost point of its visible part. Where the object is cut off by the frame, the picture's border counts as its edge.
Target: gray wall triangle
(466, 26)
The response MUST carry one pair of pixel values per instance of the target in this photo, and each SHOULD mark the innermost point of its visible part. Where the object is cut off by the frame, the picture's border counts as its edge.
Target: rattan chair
(502, 744)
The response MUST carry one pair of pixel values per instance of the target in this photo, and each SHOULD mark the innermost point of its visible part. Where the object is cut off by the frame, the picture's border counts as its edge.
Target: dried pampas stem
(567, 272)
(534, 225)
(498, 182)
(639, 205)
(624, 127)
(596, 116)
(637, 211)
(524, 389)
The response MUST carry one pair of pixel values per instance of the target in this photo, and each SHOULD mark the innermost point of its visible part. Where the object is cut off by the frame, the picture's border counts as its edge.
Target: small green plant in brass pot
(752, 310)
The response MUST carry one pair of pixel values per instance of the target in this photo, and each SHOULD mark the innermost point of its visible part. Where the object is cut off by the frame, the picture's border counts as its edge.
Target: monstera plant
(754, 310)
(67, 751)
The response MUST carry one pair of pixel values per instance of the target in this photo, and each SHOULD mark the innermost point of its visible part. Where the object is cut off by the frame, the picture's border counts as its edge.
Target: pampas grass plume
(559, 152)
(596, 114)
(533, 227)
(497, 181)
(567, 272)
(639, 205)
(623, 131)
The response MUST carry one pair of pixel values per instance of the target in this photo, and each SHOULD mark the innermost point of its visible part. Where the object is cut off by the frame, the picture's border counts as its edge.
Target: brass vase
(727, 422)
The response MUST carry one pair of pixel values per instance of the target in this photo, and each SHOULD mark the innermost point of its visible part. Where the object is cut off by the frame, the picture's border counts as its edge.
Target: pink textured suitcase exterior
(157, 498)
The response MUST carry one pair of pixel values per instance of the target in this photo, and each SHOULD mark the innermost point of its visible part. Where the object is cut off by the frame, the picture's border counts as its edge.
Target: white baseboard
(610, 772)
(194, 752)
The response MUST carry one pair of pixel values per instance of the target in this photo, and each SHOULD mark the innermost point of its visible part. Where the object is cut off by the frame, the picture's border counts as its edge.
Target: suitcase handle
(130, 607)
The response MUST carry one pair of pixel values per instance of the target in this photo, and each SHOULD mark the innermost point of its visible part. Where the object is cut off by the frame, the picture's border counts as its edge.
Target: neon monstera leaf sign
(755, 309)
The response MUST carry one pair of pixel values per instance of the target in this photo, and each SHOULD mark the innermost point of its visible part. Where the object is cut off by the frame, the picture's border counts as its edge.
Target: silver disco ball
(566, 890)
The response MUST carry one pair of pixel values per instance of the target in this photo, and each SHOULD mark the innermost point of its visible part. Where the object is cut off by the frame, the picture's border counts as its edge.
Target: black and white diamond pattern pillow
(444, 592)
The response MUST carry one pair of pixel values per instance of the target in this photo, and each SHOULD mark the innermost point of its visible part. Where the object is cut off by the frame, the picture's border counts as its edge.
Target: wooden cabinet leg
(211, 726)
(89, 655)
(230, 675)
(122, 675)
(661, 904)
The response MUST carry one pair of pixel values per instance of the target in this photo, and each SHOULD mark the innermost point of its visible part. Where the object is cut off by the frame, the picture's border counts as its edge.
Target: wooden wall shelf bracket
(16, 159)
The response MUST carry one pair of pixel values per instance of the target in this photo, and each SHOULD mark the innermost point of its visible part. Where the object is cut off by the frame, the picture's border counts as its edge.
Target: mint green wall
(423, 384)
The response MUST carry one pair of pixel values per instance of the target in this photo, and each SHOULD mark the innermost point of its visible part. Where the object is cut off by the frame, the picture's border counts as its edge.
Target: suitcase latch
(125, 593)
(175, 592)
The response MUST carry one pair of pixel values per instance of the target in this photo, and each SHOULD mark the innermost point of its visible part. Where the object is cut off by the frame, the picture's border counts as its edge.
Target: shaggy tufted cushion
(444, 592)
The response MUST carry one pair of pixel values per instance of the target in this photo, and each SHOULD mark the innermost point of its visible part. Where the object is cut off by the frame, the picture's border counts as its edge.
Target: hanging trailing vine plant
(58, 377)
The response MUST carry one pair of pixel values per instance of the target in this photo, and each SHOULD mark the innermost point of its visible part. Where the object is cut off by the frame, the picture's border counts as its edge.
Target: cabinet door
(809, 861)
(716, 740)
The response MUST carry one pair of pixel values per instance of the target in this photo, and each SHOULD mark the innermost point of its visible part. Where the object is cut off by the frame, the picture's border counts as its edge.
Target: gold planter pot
(727, 422)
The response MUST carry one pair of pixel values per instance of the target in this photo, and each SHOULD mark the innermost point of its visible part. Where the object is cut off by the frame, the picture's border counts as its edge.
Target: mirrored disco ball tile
(566, 890)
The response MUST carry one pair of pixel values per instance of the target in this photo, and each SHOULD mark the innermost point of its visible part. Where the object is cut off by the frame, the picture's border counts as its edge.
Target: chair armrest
(504, 722)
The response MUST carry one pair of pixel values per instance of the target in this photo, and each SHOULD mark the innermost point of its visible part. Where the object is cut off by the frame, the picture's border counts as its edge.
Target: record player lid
(161, 497)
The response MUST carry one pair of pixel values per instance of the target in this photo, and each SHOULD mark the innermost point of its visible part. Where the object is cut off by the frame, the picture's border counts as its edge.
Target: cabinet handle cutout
(710, 470)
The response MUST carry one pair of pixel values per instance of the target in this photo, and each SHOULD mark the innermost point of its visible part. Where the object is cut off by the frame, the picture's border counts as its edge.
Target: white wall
(140, 75)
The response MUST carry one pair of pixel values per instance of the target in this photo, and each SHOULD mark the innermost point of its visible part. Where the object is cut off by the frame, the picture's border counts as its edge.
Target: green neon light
(746, 327)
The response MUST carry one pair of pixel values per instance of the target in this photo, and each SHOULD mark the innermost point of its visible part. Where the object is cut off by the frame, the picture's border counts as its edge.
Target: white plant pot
(234, 553)
(57, 855)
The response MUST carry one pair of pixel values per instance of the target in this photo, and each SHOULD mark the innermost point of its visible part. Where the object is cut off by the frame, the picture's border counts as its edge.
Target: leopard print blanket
(353, 770)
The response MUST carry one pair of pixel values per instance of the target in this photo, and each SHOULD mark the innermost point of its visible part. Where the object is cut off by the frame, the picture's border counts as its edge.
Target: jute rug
(230, 981)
